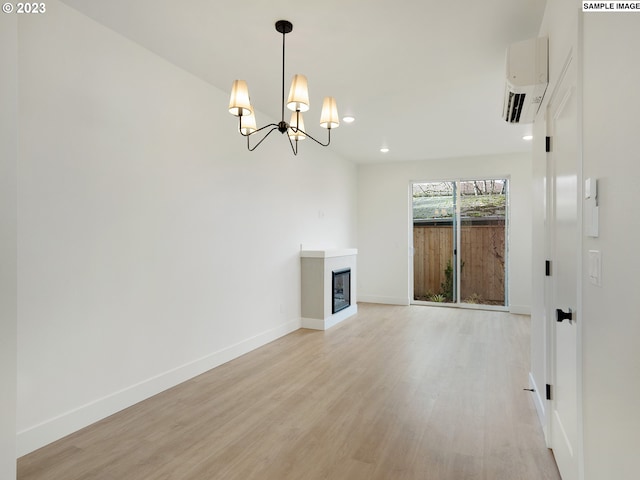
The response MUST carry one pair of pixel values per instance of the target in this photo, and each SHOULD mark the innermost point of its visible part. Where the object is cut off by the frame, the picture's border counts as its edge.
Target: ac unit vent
(527, 79)
(516, 100)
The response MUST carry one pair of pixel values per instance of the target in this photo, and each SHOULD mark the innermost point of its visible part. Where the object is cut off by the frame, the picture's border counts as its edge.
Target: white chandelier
(297, 102)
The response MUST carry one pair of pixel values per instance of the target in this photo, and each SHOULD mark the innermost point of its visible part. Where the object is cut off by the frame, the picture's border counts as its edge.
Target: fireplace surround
(328, 287)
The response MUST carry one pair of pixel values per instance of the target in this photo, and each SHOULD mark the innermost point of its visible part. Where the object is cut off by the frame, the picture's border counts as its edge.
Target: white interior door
(562, 301)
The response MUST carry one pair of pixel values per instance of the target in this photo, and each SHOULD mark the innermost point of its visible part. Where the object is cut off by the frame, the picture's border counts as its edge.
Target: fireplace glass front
(341, 289)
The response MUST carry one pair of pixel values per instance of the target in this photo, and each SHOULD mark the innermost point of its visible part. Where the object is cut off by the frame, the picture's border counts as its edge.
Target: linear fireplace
(328, 287)
(341, 287)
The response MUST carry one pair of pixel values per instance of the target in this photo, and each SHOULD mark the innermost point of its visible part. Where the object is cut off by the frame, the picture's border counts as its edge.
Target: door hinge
(547, 268)
(547, 147)
(548, 392)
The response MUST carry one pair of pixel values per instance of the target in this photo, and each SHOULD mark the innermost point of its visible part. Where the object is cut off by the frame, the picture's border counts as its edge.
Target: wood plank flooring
(394, 392)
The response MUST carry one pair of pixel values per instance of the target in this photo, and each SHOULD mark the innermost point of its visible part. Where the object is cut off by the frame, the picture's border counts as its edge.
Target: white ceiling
(423, 77)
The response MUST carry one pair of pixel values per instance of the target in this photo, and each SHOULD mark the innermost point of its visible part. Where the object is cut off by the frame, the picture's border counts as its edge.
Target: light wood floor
(391, 393)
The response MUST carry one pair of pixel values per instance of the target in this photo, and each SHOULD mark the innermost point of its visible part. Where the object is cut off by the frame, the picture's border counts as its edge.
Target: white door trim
(549, 309)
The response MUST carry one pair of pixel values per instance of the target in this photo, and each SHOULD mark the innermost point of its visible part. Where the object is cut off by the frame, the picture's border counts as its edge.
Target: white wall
(611, 329)
(8, 237)
(384, 221)
(606, 46)
(153, 246)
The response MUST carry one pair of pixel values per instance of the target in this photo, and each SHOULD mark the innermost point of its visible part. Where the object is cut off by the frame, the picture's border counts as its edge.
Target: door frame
(456, 227)
(549, 309)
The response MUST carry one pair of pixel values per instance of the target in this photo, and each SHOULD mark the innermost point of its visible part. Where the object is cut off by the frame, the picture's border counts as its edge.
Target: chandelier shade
(297, 101)
(329, 116)
(239, 103)
(298, 94)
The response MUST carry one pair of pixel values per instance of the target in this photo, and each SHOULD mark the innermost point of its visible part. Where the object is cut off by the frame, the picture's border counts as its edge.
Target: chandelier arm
(251, 149)
(274, 125)
(317, 141)
(255, 131)
(296, 130)
(294, 149)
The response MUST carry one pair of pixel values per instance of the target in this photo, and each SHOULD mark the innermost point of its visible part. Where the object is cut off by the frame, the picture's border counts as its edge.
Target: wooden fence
(482, 253)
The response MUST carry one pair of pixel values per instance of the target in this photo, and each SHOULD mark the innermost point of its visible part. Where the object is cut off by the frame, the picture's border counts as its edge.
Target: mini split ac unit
(527, 79)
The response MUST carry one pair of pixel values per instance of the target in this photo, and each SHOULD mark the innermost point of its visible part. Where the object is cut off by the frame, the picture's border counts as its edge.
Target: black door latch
(562, 315)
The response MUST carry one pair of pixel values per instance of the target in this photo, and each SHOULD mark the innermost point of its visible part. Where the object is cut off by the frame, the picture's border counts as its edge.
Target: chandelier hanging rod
(298, 102)
(284, 27)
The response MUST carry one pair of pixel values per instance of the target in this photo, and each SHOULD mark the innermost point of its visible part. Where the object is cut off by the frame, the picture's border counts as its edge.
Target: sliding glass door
(459, 242)
(483, 214)
(434, 210)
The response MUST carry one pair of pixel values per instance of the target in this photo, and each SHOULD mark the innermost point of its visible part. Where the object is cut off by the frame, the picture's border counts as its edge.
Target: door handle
(562, 315)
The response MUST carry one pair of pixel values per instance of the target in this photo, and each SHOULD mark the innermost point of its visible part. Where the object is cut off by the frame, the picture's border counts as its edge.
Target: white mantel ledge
(338, 252)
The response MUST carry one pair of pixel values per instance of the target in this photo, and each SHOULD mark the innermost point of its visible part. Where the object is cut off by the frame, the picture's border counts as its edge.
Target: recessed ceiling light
(348, 119)
(384, 149)
(527, 137)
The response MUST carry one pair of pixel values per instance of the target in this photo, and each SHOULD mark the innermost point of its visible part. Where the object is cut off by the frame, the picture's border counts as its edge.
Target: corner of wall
(8, 243)
(383, 300)
(520, 309)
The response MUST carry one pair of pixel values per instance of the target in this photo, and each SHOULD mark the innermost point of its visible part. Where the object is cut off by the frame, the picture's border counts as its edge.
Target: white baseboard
(520, 309)
(383, 300)
(312, 323)
(55, 428)
(539, 403)
(319, 324)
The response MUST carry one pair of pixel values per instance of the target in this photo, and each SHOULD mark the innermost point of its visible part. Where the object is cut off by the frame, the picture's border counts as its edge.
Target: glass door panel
(434, 213)
(482, 248)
